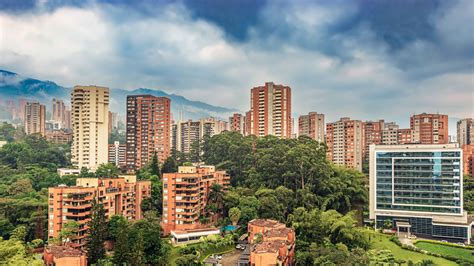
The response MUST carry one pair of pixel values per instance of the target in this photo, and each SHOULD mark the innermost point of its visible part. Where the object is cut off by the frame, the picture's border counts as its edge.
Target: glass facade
(424, 226)
(419, 181)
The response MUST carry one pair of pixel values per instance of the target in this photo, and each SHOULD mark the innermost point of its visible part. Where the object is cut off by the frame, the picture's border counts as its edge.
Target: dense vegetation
(287, 180)
(28, 167)
(291, 180)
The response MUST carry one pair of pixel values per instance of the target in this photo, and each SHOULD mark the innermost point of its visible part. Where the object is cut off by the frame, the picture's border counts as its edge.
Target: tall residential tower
(35, 114)
(89, 119)
(270, 107)
(148, 130)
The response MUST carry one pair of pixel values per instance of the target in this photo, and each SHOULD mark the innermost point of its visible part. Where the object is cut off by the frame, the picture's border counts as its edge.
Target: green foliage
(107, 170)
(468, 187)
(15, 251)
(68, 231)
(234, 215)
(170, 165)
(9, 133)
(121, 248)
(96, 234)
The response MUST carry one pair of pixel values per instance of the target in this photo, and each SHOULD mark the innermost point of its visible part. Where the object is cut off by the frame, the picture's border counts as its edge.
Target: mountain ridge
(16, 86)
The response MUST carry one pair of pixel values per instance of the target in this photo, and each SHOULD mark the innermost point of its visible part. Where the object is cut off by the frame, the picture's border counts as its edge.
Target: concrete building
(277, 246)
(270, 107)
(312, 125)
(185, 196)
(148, 130)
(66, 171)
(237, 123)
(90, 107)
(429, 128)
(390, 133)
(59, 136)
(117, 154)
(465, 131)
(119, 196)
(59, 113)
(185, 133)
(418, 189)
(344, 140)
(35, 118)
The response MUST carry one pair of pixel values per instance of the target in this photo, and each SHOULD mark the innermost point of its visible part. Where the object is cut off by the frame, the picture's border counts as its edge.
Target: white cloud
(118, 47)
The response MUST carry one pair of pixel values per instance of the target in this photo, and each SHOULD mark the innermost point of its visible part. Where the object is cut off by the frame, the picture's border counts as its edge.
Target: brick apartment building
(465, 131)
(119, 196)
(429, 128)
(148, 130)
(185, 195)
(344, 140)
(237, 123)
(35, 118)
(270, 111)
(277, 246)
(312, 125)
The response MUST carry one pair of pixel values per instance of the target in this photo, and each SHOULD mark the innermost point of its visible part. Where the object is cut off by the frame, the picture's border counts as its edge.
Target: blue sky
(366, 59)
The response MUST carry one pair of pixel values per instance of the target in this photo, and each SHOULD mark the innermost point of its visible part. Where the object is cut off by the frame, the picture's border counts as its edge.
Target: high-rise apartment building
(270, 107)
(185, 195)
(185, 133)
(117, 154)
(465, 131)
(35, 117)
(248, 123)
(419, 189)
(119, 196)
(148, 129)
(468, 159)
(390, 133)
(59, 112)
(237, 123)
(89, 119)
(312, 125)
(405, 136)
(344, 140)
(429, 128)
(372, 134)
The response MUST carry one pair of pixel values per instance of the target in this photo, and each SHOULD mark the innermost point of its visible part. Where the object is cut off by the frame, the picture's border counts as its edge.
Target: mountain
(14, 86)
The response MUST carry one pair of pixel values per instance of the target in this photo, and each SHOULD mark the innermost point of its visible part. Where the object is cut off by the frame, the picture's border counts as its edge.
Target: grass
(381, 242)
(461, 253)
(175, 254)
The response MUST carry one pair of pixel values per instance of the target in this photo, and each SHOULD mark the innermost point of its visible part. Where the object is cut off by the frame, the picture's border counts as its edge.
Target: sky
(365, 59)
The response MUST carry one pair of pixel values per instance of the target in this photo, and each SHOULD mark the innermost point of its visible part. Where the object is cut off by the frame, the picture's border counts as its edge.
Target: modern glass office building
(418, 189)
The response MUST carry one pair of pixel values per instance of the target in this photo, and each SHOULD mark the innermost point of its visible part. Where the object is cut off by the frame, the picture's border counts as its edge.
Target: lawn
(381, 242)
(174, 254)
(461, 253)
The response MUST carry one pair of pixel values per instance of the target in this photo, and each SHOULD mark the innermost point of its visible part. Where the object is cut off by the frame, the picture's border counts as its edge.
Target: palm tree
(216, 197)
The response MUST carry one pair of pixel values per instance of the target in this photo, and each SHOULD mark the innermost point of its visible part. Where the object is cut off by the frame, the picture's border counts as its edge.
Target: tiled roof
(64, 251)
(266, 223)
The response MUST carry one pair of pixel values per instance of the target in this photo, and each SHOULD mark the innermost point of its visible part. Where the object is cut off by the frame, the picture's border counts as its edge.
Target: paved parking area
(231, 258)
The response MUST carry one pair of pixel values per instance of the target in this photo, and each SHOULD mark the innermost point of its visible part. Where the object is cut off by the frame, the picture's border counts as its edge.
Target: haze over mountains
(15, 86)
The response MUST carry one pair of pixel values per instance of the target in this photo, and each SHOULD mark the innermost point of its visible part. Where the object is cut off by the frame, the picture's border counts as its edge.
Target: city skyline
(196, 53)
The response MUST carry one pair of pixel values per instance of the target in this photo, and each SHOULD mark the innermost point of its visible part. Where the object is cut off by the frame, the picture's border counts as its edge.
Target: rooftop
(266, 223)
(278, 232)
(64, 251)
(268, 246)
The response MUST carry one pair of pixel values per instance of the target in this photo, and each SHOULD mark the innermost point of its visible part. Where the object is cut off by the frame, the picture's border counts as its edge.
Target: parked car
(461, 244)
(444, 241)
(219, 257)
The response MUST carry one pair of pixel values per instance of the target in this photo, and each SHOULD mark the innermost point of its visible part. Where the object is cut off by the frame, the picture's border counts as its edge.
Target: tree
(155, 166)
(155, 250)
(121, 248)
(107, 170)
(20, 187)
(234, 215)
(68, 231)
(96, 234)
(138, 249)
(216, 198)
(170, 165)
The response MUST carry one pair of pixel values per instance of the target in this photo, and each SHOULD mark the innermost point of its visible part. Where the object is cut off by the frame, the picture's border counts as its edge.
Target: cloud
(333, 68)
